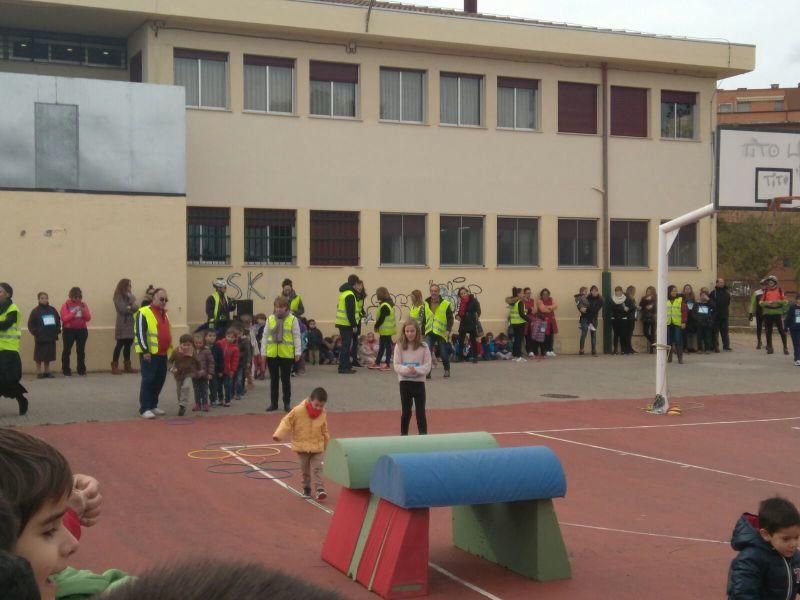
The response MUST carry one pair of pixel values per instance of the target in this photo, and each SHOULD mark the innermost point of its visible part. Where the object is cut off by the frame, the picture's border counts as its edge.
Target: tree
(745, 249)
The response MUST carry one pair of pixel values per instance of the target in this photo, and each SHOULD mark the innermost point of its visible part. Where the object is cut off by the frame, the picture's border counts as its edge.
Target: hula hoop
(273, 451)
(234, 460)
(223, 469)
(204, 454)
(179, 421)
(219, 445)
(268, 474)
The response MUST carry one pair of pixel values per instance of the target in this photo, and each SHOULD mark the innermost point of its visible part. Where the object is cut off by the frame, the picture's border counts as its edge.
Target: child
(206, 374)
(501, 347)
(215, 383)
(16, 576)
(676, 323)
(704, 322)
(308, 425)
(489, 349)
(282, 349)
(412, 362)
(256, 337)
(367, 349)
(229, 348)
(792, 325)
(385, 327)
(539, 335)
(244, 373)
(185, 368)
(44, 324)
(768, 564)
(315, 343)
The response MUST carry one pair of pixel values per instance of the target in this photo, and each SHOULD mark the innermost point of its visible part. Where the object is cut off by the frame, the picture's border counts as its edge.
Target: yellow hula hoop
(272, 451)
(208, 454)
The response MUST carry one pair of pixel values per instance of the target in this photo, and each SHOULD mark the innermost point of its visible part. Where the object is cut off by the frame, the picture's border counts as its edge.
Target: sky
(771, 26)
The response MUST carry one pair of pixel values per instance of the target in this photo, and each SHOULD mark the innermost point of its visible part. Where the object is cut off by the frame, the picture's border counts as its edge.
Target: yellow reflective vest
(389, 325)
(9, 339)
(146, 313)
(294, 305)
(436, 322)
(513, 314)
(341, 310)
(416, 313)
(284, 348)
(674, 316)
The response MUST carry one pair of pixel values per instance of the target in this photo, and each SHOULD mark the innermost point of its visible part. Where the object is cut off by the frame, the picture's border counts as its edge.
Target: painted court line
(290, 489)
(665, 460)
(660, 535)
(648, 426)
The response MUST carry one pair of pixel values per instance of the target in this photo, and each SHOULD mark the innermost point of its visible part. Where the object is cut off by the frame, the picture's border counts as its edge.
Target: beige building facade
(449, 148)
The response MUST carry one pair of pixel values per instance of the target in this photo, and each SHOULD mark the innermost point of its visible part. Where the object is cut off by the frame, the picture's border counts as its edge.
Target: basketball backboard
(756, 165)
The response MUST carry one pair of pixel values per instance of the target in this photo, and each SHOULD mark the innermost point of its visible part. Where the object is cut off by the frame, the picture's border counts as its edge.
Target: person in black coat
(722, 300)
(620, 313)
(44, 323)
(589, 318)
(768, 564)
(469, 311)
(10, 363)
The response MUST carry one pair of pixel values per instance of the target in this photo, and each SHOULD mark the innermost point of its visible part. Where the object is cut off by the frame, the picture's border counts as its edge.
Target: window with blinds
(208, 235)
(518, 241)
(577, 107)
(204, 76)
(678, 114)
(683, 253)
(334, 89)
(628, 243)
(402, 239)
(628, 111)
(577, 242)
(269, 84)
(460, 99)
(270, 236)
(334, 237)
(460, 240)
(402, 95)
(516, 103)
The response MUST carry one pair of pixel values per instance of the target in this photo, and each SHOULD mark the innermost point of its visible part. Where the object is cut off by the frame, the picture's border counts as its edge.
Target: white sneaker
(519, 359)
(148, 414)
(551, 354)
(530, 354)
(797, 363)
(158, 412)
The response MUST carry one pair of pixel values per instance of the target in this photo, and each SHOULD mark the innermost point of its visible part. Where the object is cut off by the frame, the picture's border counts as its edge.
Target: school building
(406, 144)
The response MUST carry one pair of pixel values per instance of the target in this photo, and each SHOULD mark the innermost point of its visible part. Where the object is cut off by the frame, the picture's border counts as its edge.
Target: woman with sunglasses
(153, 342)
(75, 315)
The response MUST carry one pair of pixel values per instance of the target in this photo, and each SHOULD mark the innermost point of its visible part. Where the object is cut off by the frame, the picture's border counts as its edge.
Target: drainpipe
(606, 275)
(369, 13)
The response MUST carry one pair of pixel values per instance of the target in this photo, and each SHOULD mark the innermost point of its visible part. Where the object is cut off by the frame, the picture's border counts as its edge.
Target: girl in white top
(412, 362)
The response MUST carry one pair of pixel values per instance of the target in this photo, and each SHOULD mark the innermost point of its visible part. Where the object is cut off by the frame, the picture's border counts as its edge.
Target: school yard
(650, 505)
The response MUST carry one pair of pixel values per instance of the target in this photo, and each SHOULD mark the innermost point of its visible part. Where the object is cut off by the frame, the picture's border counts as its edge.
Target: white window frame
(517, 219)
(294, 93)
(200, 84)
(330, 106)
(424, 95)
(402, 238)
(729, 106)
(461, 262)
(675, 122)
(481, 92)
(535, 112)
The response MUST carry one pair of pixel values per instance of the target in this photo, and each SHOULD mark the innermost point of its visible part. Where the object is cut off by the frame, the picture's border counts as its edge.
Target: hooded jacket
(758, 572)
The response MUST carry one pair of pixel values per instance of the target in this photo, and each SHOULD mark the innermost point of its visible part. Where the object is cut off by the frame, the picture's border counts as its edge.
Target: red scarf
(313, 412)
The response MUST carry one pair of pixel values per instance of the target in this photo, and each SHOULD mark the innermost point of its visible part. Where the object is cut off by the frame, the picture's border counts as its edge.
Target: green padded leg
(369, 517)
(521, 536)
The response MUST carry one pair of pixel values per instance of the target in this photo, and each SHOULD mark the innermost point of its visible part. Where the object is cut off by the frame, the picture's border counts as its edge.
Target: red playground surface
(650, 505)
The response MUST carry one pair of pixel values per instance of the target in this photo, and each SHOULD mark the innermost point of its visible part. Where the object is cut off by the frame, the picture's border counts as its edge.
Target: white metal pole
(665, 241)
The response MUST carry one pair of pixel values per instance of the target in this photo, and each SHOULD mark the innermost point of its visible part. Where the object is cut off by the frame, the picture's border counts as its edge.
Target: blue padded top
(468, 477)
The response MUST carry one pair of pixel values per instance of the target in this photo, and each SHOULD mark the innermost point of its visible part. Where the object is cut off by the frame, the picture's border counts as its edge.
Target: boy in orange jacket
(308, 424)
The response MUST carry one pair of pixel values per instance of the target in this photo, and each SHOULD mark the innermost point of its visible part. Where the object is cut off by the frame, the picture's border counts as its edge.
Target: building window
(518, 241)
(577, 107)
(742, 106)
(334, 237)
(577, 242)
(204, 75)
(628, 243)
(778, 105)
(683, 252)
(460, 99)
(402, 95)
(725, 107)
(334, 89)
(208, 235)
(677, 114)
(460, 240)
(402, 239)
(269, 84)
(59, 48)
(270, 236)
(516, 102)
(628, 111)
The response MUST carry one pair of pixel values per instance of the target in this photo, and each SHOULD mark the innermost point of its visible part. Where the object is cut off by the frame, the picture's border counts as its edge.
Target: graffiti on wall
(241, 288)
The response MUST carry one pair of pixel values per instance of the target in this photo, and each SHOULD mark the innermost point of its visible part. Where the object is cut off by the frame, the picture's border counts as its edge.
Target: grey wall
(91, 135)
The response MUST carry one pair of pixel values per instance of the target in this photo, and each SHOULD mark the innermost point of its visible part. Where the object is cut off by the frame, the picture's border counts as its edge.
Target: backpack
(538, 328)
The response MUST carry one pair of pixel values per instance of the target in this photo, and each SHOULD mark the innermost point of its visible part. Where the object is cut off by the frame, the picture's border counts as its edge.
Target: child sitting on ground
(206, 374)
(367, 349)
(185, 368)
(489, 350)
(768, 563)
(308, 425)
(501, 347)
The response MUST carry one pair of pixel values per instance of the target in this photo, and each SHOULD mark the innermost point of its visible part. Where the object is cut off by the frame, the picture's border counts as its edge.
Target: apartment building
(406, 144)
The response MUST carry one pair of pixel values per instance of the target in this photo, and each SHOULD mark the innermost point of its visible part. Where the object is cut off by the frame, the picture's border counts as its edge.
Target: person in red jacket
(75, 315)
(230, 361)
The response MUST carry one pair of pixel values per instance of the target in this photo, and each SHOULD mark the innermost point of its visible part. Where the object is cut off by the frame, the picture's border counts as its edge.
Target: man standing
(346, 322)
(774, 304)
(360, 297)
(153, 342)
(438, 324)
(757, 312)
(219, 307)
(722, 299)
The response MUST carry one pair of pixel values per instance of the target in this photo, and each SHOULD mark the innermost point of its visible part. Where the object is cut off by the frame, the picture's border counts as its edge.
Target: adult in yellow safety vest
(517, 318)
(676, 322)
(346, 322)
(295, 301)
(219, 307)
(438, 324)
(281, 346)
(417, 310)
(10, 363)
(385, 327)
(152, 338)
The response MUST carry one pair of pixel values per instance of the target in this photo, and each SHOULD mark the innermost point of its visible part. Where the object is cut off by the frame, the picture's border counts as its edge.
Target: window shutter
(516, 82)
(268, 61)
(577, 107)
(628, 111)
(337, 72)
(678, 97)
(200, 54)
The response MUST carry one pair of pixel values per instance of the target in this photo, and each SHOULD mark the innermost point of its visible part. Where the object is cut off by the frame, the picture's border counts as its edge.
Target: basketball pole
(666, 237)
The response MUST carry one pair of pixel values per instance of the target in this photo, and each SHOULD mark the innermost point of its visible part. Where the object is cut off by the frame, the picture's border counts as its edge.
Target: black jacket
(226, 307)
(704, 313)
(469, 322)
(758, 572)
(40, 331)
(383, 312)
(618, 312)
(594, 309)
(349, 303)
(722, 300)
